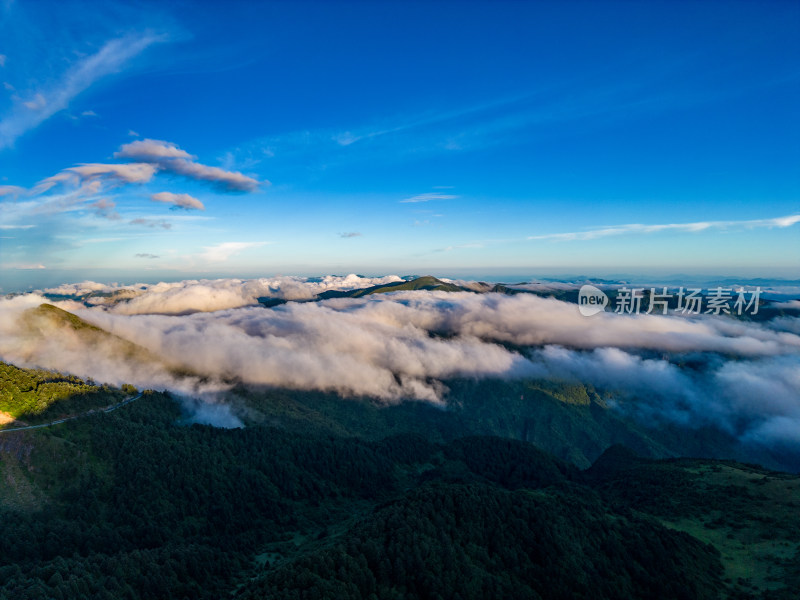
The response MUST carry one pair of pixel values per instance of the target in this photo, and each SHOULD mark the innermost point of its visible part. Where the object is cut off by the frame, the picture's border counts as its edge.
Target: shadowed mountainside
(137, 504)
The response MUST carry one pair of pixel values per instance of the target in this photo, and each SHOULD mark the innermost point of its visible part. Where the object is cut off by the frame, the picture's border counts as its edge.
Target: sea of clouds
(740, 376)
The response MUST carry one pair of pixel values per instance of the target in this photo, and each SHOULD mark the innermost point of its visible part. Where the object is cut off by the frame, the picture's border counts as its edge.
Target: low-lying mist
(201, 337)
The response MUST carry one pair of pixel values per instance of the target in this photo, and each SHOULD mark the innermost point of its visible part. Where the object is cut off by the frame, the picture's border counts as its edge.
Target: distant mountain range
(771, 304)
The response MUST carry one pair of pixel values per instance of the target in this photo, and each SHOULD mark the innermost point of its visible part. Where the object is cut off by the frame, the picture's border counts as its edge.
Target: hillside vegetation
(135, 504)
(37, 395)
(47, 320)
(570, 420)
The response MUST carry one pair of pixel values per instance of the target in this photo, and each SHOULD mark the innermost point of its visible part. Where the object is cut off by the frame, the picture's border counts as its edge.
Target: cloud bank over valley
(201, 337)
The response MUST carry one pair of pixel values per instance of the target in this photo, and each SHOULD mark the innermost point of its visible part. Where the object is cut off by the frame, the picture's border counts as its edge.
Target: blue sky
(145, 141)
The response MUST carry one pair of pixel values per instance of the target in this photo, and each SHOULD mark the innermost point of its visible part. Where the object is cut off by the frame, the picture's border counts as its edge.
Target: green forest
(38, 396)
(324, 498)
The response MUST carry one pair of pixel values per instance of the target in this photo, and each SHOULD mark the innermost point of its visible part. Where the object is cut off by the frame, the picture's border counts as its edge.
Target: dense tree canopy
(140, 504)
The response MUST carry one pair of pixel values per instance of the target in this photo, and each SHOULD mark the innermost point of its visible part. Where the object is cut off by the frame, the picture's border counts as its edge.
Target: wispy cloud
(394, 136)
(27, 114)
(169, 157)
(151, 150)
(11, 190)
(151, 157)
(350, 234)
(17, 226)
(146, 255)
(636, 228)
(529, 117)
(179, 200)
(222, 252)
(152, 223)
(91, 186)
(228, 180)
(428, 197)
(106, 209)
(95, 172)
(38, 102)
(441, 121)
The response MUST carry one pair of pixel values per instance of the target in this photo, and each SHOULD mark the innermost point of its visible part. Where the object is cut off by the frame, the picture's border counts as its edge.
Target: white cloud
(151, 223)
(38, 102)
(151, 150)
(83, 186)
(78, 289)
(790, 304)
(49, 100)
(229, 180)
(428, 197)
(96, 173)
(222, 252)
(169, 157)
(11, 190)
(745, 378)
(592, 234)
(130, 173)
(181, 200)
(106, 209)
(529, 320)
(211, 295)
(3, 59)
